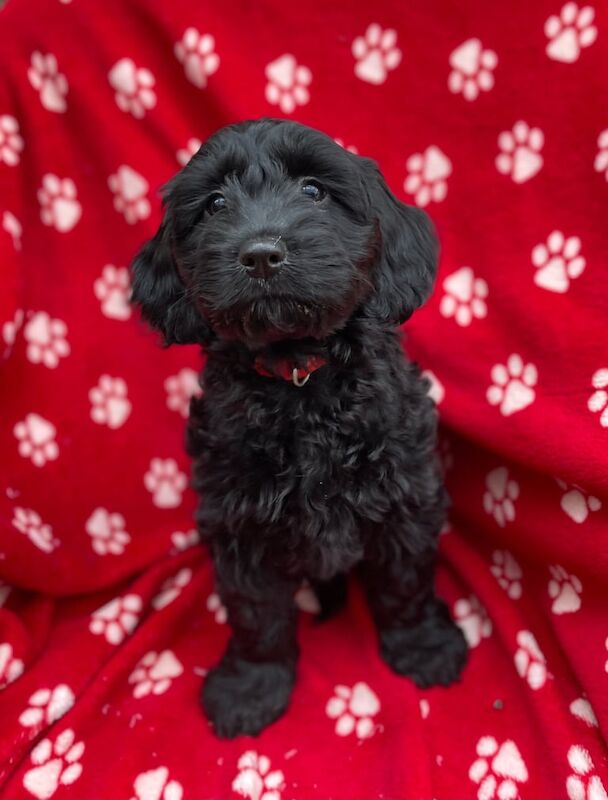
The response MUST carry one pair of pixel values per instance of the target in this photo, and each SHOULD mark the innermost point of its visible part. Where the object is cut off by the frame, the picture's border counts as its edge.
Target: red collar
(288, 370)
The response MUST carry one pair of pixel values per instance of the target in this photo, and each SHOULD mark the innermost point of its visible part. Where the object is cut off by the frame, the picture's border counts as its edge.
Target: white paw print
(581, 709)
(599, 399)
(184, 154)
(601, 159)
(520, 155)
(465, 297)
(582, 784)
(117, 619)
(130, 191)
(576, 503)
(180, 388)
(350, 148)
(472, 69)
(36, 437)
(376, 54)
(154, 673)
(59, 206)
(427, 176)
(437, 390)
(288, 83)
(196, 52)
(113, 290)
(530, 662)
(133, 87)
(306, 599)
(165, 482)
(155, 785)
(51, 84)
(107, 532)
(473, 620)
(10, 667)
(29, 522)
(570, 32)
(46, 339)
(565, 590)
(11, 328)
(55, 763)
(353, 708)
(513, 385)
(216, 607)
(172, 588)
(109, 402)
(182, 541)
(13, 227)
(47, 706)
(507, 572)
(498, 769)
(11, 143)
(500, 496)
(557, 262)
(255, 780)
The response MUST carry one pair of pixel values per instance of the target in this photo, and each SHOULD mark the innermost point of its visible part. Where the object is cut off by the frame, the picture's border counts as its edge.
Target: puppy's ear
(160, 294)
(408, 252)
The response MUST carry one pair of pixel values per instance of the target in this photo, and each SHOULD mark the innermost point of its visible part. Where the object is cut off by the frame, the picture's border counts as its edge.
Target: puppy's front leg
(251, 686)
(417, 636)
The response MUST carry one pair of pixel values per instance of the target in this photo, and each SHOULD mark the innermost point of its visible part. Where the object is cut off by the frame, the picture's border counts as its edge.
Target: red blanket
(493, 116)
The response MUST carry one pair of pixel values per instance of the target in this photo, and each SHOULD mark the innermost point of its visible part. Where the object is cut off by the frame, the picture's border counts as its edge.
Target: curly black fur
(312, 481)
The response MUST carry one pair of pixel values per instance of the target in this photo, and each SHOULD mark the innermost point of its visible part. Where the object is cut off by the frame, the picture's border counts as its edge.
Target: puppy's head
(273, 231)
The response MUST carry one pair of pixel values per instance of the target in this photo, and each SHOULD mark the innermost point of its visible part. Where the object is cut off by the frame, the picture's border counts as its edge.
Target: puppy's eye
(216, 203)
(313, 189)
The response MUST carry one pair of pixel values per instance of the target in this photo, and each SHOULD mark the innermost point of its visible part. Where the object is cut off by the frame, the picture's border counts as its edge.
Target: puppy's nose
(263, 257)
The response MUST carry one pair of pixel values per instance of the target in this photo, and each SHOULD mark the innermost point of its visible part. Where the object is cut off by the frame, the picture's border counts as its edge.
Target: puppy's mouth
(263, 312)
(268, 319)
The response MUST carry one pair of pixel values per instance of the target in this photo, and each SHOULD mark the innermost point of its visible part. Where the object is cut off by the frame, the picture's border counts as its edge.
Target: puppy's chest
(307, 454)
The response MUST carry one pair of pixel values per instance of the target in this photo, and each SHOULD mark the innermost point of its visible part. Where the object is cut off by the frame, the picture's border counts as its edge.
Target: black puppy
(292, 263)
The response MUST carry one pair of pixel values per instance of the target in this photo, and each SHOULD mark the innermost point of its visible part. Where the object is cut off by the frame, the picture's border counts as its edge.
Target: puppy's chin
(268, 320)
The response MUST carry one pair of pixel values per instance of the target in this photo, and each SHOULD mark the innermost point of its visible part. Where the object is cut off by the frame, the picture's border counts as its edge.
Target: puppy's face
(274, 240)
(273, 231)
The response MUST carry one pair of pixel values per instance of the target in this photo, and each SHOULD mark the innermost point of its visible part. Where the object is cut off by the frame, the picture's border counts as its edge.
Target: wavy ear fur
(161, 295)
(407, 264)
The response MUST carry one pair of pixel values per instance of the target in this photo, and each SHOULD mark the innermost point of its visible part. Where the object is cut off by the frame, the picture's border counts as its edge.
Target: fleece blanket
(491, 116)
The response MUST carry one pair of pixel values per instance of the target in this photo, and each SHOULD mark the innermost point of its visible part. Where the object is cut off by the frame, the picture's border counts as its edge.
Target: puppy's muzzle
(263, 258)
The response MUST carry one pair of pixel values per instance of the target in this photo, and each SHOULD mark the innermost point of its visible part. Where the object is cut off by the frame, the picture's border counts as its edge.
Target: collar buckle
(297, 381)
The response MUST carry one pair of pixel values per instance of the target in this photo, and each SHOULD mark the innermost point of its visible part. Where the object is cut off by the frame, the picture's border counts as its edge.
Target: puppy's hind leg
(251, 686)
(417, 635)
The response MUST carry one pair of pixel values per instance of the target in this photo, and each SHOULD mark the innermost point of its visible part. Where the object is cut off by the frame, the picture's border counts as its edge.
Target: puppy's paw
(432, 652)
(241, 698)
